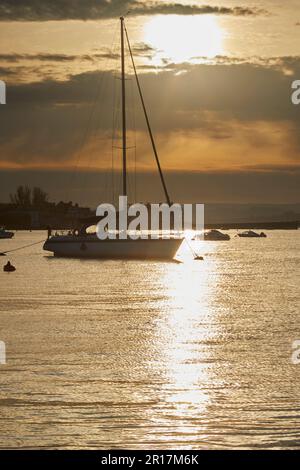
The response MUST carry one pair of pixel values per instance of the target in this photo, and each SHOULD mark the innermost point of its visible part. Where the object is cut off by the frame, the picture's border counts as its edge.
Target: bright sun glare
(181, 38)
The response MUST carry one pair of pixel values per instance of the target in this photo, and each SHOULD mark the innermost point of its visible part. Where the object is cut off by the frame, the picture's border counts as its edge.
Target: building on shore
(57, 216)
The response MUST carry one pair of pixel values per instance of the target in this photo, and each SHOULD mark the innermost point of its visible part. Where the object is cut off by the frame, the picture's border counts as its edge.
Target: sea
(152, 355)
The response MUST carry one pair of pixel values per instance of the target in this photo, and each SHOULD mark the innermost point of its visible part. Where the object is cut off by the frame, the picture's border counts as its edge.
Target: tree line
(29, 197)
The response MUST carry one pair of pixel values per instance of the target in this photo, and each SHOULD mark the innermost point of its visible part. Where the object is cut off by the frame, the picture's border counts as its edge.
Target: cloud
(139, 49)
(43, 10)
(41, 57)
(184, 9)
(245, 91)
(221, 117)
(9, 73)
(24, 67)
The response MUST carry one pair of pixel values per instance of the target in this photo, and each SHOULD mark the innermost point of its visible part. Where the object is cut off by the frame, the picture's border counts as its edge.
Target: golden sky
(216, 77)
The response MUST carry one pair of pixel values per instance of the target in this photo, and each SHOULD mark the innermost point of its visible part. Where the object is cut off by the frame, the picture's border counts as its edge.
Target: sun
(182, 38)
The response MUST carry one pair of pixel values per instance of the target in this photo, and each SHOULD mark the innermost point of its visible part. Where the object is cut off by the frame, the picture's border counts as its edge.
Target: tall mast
(148, 123)
(124, 142)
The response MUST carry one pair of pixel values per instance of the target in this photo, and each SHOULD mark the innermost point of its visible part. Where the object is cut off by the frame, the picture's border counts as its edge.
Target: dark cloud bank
(43, 123)
(45, 10)
(243, 92)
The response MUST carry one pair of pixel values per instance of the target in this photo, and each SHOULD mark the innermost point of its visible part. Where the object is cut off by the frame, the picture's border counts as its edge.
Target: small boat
(5, 234)
(216, 235)
(252, 234)
(213, 235)
(8, 268)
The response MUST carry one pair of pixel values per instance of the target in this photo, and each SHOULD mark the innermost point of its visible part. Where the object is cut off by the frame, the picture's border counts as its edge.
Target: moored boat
(82, 244)
(216, 235)
(252, 234)
(89, 246)
(4, 234)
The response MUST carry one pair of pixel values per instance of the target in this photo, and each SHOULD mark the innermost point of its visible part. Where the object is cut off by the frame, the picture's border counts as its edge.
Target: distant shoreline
(255, 225)
(220, 226)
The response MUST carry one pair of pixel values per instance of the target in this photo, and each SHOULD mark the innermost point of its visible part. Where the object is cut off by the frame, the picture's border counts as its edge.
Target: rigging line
(99, 126)
(116, 104)
(124, 130)
(115, 137)
(22, 247)
(131, 137)
(101, 121)
(112, 140)
(194, 253)
(84, 137)
(134, 139)
(120, 148)
(85, 134)
(36, 126)
(148, 123)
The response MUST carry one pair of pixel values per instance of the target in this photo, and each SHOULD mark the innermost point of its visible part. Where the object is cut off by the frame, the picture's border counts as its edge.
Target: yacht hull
(83, 247)
(6, 235)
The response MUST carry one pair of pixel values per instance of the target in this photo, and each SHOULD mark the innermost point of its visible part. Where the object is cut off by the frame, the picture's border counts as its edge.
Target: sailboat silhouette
(84, 245)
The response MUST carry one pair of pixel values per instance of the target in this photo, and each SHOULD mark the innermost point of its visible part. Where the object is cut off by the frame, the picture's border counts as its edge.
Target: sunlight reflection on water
(118, 354)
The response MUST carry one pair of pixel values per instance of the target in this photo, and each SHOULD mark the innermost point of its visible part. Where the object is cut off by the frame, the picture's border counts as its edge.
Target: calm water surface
(125, 354)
